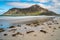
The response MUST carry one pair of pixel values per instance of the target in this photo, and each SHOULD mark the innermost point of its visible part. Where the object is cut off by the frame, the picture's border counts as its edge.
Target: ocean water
(6, 21)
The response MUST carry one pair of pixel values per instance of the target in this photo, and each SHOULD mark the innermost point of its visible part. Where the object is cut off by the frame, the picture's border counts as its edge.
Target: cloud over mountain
(53, 5)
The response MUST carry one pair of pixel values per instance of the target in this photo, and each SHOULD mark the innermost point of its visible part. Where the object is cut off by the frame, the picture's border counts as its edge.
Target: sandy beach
(33, 28)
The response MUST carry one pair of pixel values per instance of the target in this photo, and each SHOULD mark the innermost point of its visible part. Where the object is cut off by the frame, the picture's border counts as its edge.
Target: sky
(52, 5)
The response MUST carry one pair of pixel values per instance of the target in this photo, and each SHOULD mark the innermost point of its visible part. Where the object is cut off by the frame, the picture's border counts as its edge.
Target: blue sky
(53, 5)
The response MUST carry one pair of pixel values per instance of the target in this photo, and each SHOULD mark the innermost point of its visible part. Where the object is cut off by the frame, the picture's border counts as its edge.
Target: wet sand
(45, 29)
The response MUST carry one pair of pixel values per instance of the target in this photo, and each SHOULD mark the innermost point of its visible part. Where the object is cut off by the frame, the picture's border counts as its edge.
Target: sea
(6, 21)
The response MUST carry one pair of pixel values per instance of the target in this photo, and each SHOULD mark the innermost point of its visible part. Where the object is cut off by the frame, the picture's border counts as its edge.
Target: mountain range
(33, 10)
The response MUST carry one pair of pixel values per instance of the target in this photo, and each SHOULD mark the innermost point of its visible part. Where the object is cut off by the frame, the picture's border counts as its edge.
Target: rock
(29, 32)
(12, 27)
(5, 34)
(2, 30)
(43, 31)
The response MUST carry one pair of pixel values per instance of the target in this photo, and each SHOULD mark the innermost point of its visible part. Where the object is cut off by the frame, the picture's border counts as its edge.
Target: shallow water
(6, 21)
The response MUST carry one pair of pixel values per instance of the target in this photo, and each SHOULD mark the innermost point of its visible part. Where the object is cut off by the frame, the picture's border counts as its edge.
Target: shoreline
(39, 29)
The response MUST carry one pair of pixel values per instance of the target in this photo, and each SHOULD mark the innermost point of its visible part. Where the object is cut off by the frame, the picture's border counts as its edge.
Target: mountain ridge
(34, 10)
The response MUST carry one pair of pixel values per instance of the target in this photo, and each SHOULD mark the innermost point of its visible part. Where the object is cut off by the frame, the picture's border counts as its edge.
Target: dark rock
(54, 28)
(43, 31)
(12, 27)
(58, 27)
(29, 32)
(19, 33)
(28, 24)
(5, 34)
(2, 30)
(13, 35)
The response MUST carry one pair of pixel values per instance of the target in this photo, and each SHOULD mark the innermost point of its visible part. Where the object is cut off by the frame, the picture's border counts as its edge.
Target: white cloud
(19, 4)
(54, 7)
(56, 3)
(25, 5)
(42, 1)
(45, 6)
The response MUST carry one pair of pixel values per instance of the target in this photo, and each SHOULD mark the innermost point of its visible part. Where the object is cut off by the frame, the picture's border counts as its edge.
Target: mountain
(30, 11)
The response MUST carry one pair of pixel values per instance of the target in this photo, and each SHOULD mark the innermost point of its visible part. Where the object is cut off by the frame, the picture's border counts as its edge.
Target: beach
(30, 28)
